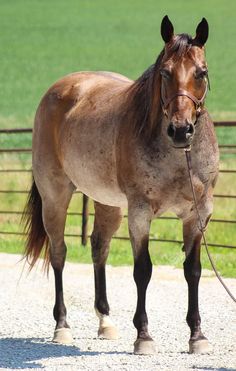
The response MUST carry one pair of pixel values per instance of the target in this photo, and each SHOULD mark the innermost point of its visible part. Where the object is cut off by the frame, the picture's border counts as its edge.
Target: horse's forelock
(180, 45)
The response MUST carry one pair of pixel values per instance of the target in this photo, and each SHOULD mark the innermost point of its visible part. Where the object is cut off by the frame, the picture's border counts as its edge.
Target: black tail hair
(37, 239)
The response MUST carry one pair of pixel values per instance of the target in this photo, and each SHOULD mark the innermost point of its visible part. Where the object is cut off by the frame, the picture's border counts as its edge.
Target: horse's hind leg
(107, 221)
(198, 343)
(55, 200)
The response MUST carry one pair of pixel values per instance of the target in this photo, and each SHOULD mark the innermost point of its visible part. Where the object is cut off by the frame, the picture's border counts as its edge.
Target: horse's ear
(202, 32)
(167, 29)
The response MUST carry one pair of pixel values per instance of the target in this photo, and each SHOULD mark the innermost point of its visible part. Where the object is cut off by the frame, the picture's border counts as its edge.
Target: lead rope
(189, 164)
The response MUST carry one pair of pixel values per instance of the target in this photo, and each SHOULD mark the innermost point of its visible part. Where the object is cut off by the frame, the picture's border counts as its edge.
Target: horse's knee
(192, 270)
(192, 266)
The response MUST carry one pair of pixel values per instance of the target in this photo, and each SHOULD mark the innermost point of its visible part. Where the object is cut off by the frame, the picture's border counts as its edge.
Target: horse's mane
(144, 96)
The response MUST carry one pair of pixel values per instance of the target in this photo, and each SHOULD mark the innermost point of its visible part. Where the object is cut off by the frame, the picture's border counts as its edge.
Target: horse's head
(184, 80)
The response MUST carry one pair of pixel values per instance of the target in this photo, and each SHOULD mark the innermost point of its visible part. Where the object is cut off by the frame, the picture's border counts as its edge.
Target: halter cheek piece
(181, 92)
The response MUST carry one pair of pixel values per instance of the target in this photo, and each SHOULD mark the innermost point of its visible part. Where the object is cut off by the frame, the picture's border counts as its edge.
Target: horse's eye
(201, 74)
(165, 73)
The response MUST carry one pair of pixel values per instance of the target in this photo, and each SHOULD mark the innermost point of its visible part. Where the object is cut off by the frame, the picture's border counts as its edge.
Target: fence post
(85, 217)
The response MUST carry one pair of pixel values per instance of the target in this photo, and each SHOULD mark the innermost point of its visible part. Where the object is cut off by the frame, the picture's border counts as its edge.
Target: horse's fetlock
(194, 322)
(59, 313)
(102, 306)
(140, 321)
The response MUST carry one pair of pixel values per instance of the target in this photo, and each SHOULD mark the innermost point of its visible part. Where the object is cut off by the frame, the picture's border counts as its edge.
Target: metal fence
(84, 214)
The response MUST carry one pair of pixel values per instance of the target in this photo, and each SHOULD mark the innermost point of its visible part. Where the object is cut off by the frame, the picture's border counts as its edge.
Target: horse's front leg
(139, 224)
(198, 343)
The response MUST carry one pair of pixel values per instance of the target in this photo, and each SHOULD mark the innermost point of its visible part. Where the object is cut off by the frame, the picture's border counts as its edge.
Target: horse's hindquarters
(75, 134)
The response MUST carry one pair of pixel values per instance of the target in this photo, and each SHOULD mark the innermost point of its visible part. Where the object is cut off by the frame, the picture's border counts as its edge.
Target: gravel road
(27, 324)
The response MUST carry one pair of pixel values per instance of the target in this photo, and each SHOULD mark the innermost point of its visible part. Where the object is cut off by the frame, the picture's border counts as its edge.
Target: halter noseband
(182, 92)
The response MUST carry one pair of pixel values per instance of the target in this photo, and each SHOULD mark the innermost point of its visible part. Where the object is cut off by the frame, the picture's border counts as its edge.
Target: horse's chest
(170, 189)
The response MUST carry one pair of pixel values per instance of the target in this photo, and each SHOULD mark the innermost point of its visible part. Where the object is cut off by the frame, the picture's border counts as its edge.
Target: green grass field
(44, 40)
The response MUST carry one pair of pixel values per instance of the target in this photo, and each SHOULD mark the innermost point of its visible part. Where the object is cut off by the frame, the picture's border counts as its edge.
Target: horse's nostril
(180, 133)
(190, 129)
(171, 130)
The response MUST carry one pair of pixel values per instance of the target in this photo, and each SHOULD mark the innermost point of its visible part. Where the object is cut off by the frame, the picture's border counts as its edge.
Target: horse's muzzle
(181, 135)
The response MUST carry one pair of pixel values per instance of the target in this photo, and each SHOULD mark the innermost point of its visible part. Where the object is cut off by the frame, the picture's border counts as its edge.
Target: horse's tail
(37, 239)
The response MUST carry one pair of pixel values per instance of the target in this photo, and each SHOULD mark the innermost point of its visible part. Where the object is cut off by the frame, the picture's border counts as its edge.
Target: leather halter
(182, 92)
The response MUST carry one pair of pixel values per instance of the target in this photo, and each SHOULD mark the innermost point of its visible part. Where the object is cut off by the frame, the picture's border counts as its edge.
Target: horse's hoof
(108, 333)
(200, 346)
(62, 336)
(144, 347)
(106, 330)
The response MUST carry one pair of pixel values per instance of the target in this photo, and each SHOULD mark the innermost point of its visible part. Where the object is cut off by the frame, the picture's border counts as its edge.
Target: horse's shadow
(23, 353)
(215, 369)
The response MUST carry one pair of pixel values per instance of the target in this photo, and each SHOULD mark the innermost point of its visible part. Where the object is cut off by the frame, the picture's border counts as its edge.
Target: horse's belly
(93, 179)
(106, 196)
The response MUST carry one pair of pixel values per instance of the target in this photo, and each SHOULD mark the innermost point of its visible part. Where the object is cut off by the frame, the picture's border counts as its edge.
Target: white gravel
(27, 323)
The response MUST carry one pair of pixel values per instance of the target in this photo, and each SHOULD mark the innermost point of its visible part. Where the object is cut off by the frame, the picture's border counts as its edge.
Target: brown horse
(121, 142)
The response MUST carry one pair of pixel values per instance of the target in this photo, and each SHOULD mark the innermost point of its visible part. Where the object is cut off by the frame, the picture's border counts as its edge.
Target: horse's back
(74, 89)
(75, 130)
